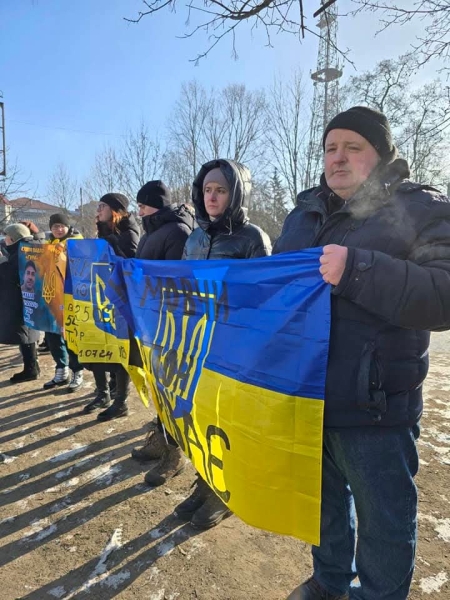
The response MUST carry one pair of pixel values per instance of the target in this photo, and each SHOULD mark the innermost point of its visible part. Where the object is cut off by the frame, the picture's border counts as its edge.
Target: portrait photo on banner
(42, 269)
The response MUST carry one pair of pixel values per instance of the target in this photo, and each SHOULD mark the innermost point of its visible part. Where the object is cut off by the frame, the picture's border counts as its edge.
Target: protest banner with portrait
(42, 269)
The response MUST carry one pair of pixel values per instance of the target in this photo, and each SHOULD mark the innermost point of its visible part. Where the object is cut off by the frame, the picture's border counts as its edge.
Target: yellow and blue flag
(93, 328)
(235, 354)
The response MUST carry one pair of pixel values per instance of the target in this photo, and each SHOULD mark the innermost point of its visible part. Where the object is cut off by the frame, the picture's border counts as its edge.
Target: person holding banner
(220, 193)
(167, 228)
(386, 256)
(12, 327)
(65, 359)
(120, 229)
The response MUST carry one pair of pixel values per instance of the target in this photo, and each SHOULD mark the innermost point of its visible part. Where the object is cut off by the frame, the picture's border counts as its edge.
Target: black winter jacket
(165, 234)
(394, 290)
(231, 235)
(124, 239)
(12, 327)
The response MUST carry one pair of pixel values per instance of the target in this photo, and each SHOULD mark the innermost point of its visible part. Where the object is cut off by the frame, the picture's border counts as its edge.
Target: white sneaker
(76, 381)
(61, 378)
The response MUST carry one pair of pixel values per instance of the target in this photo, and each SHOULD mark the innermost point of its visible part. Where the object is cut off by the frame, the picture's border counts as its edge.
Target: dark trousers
(29, 356)
(122, 381)
(170, 439)
(62, 355)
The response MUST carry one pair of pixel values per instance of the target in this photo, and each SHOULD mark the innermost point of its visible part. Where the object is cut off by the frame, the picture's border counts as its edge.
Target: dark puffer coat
(166, 233)
(394, 290)
(12, 327)
(231, 235)
(124, 239)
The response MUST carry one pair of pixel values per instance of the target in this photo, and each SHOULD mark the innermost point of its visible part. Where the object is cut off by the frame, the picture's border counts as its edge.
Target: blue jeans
(368, 472)
(62, 355)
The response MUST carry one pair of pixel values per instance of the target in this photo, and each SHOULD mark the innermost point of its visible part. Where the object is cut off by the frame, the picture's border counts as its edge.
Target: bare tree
(434, 16)
(187, 124)
(385, 87)
(244, 115)
(425, 139)
(15, 183)
(420, 117)
(287, 132)
(177, 176)
(106, 174)
(141, 159)
(221, 18)
(62, 188)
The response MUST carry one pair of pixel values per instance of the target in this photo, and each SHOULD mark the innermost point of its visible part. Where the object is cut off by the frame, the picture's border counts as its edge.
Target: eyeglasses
(58, 226)
(101, 206)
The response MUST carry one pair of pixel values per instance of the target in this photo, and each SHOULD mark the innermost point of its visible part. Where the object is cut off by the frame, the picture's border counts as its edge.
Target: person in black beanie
(121, 230)
(386, 255)
(116, 225)
(167, 228)
(65, 359)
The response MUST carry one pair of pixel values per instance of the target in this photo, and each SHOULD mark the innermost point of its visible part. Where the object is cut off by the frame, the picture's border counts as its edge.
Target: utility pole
(326, 90)
(2, 138)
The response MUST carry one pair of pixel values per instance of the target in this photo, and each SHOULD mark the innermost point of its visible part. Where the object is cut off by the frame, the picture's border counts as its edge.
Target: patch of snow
(8, 459)
(68, 454)
(156, 533)
(104, 474)
(428, 585)
(24, 476)
(165, 547)
(196, 546)
(100, 573)
(57, 592)
(441, 526)
(42, 528)
(61, 474)
(115, 580)
(7, 520)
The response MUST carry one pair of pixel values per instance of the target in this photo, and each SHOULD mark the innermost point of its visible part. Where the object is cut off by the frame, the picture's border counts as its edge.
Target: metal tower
(326, 90)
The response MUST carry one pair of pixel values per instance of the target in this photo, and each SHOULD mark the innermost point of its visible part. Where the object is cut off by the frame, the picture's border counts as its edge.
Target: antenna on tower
(326, 89)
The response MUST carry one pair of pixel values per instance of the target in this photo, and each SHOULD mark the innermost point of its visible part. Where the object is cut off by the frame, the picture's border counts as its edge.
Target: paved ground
(76, 520)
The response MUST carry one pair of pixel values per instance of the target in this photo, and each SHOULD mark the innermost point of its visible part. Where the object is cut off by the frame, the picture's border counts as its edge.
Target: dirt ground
(77, 521)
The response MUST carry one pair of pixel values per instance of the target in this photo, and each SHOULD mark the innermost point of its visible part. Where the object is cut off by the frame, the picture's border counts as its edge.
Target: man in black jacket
(386, 255)
(166, 229)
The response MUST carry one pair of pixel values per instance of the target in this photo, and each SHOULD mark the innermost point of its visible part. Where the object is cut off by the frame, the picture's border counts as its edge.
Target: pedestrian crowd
(386, 257)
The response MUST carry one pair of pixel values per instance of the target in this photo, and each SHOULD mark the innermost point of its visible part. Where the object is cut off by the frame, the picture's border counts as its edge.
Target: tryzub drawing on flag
(42, 270)
(235, 353)
(93, 329)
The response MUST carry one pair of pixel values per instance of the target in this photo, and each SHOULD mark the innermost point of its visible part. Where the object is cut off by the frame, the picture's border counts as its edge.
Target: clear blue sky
(77, 65)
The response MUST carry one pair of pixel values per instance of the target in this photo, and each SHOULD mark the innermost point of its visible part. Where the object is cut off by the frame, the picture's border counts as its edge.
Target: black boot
(119, 407)
(31, 370)
(102, 398)
(185, 511)
(210, 513)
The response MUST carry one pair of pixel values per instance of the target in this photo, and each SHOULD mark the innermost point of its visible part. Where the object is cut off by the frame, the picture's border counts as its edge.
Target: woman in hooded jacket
(121, 230)
(220, 195)
(12, 327)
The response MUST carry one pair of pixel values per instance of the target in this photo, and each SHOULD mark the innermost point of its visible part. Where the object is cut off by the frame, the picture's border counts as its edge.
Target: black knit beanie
(155, 194)
(59, 218)
(115, 201)
(371, 124)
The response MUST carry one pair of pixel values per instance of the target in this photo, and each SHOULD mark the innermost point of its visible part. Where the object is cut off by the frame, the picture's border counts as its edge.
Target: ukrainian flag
(235, 355)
